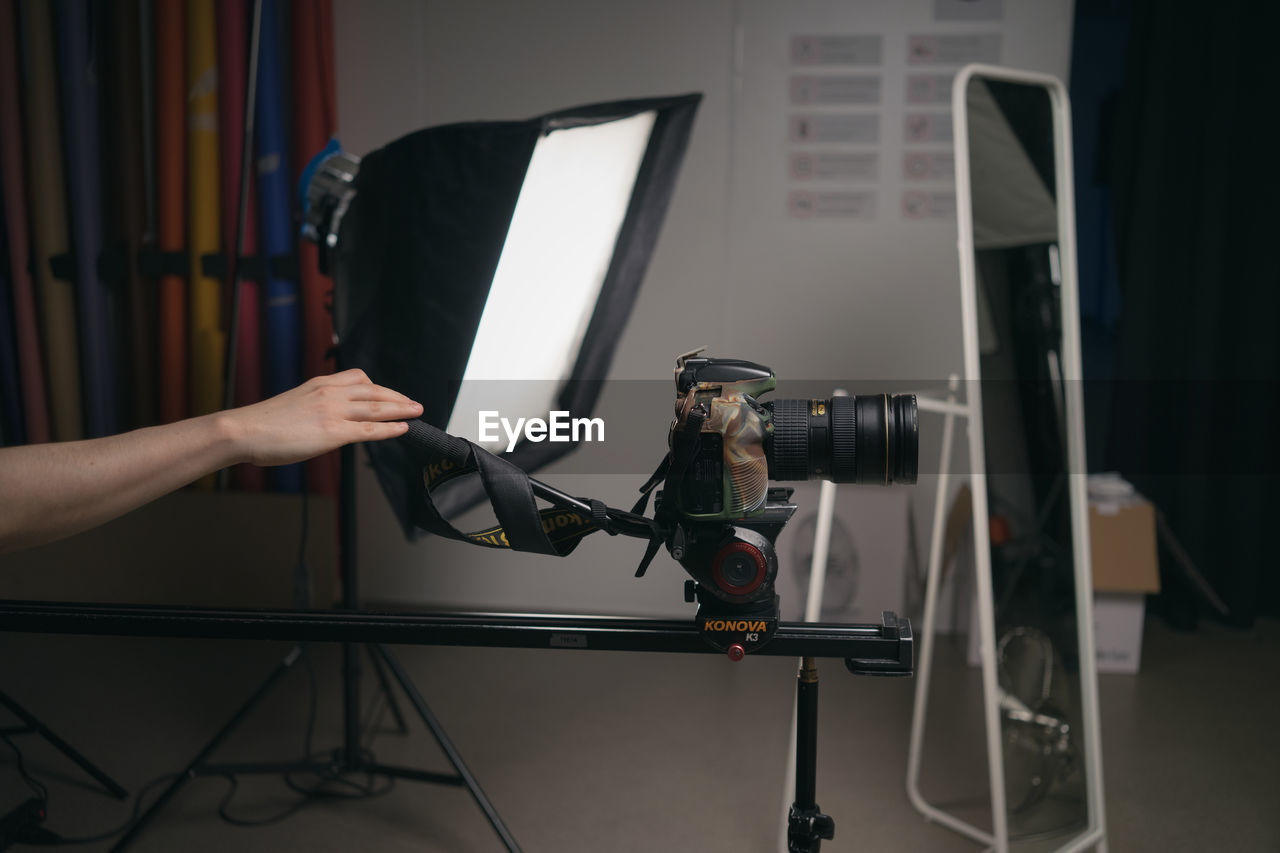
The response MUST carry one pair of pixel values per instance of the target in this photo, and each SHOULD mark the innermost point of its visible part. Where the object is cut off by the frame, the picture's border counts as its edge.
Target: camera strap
(670, 472)
(522, 525)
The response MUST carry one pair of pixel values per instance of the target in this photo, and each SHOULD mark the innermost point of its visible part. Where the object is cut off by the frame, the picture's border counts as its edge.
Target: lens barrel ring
(844, 440)
(906, 438)
(789, 459)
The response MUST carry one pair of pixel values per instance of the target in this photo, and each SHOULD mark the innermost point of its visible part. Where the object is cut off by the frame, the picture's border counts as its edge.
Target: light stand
(350, 757)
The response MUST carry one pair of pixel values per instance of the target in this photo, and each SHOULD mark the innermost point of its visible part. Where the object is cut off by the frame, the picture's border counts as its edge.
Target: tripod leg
(392, 705)
(446, 745)
(193, 767)
(34, 725)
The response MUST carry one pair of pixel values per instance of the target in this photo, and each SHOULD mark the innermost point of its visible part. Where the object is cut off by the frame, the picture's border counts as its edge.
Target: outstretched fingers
(376, 430)
(353, 376)
(374, 393)
(377, 410)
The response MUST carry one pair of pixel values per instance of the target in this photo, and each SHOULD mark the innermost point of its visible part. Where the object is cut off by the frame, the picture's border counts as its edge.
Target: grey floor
(601, 751)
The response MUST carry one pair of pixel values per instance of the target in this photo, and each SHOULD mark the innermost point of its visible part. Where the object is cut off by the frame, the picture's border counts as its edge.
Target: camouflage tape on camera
(743, 427)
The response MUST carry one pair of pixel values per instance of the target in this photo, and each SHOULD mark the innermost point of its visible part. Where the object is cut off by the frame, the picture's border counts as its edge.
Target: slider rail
(870, 649)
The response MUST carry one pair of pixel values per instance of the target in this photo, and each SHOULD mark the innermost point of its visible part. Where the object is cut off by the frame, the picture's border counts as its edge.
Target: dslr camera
(720, 513)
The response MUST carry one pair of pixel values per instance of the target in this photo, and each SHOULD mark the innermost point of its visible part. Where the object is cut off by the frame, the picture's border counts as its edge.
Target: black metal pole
(192, 769)
(807, 826)
(806, 734)
(348, 565)
(242, 205)
(33, 725)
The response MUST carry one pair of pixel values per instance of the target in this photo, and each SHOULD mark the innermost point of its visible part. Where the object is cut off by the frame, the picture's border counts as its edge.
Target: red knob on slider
(737, 652)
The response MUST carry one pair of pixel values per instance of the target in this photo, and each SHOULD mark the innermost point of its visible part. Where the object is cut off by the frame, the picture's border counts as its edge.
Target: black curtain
(1191, 179)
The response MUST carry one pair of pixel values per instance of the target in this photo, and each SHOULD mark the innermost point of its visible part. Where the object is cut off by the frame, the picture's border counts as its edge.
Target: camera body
(743, 443)
(728, 477)
(722, 515)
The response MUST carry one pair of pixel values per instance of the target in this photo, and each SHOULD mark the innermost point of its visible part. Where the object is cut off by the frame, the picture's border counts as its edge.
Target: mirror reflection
(1015, 224)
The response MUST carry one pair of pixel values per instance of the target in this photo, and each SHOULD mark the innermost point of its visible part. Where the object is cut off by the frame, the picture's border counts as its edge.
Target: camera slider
(735, 630)
(867, 649)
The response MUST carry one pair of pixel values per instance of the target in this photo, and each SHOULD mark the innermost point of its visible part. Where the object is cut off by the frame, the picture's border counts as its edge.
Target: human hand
(321, 414)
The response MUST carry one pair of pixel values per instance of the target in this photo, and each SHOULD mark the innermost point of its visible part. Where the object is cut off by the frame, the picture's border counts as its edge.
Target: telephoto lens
(868, 438)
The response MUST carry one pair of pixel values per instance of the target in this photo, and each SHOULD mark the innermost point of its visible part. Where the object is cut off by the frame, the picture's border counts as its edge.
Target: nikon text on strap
(521, 526)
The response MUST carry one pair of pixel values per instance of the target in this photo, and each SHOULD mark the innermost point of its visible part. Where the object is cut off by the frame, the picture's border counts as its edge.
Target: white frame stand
(1094, 834)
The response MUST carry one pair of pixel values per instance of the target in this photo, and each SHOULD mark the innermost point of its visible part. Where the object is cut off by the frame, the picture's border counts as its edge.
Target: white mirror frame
(1094, 834)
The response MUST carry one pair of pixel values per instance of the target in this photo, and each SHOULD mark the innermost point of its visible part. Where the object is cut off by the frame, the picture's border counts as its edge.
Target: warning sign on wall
(953, 49)
(928, 166)
(835, 89)
(836, 50)
(929, 204)
(834, 165)
(835, 127)
(833, 204)
(927, 127)
(925, 88)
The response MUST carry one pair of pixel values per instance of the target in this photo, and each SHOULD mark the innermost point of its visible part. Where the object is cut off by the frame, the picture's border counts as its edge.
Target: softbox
(508, 251)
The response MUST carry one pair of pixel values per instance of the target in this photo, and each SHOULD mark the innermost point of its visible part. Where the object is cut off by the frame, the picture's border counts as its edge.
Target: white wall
(871, 303)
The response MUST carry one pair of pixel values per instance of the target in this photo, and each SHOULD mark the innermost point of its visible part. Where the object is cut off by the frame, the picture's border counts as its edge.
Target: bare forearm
(52, 490)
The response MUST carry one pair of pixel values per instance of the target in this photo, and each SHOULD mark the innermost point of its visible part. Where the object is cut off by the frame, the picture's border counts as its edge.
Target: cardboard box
(1117, 630)
(1122, 533)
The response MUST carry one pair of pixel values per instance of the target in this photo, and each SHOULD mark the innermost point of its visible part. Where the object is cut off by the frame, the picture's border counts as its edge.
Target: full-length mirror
(1030, 415)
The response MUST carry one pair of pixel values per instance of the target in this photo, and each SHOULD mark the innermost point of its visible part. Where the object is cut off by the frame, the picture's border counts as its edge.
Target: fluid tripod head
(733, 565)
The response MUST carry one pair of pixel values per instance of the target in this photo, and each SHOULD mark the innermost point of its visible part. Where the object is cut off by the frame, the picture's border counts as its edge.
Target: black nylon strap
(658, 476)
(521, 525)
(684, 447)
(512, 498)
(649, 552)
(426, 442)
